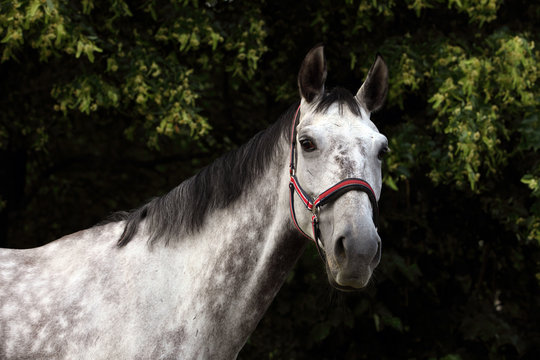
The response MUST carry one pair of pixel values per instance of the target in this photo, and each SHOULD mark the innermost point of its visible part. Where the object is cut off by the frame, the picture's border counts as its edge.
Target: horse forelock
(184, 208)
(342, 97)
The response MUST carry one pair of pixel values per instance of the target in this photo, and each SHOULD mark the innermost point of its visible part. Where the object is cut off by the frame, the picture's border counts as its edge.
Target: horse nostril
(339, 249)
(377, 257)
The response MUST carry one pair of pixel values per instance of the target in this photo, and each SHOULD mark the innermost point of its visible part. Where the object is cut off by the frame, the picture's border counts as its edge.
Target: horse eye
(383, 152)
(308, 145)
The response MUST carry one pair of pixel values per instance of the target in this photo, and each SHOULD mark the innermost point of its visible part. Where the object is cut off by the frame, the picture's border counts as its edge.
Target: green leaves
(478, 11)
(132, 71)
(476, 92)
(533, 183)
(87, 47)
(474, 101)
(532, 222)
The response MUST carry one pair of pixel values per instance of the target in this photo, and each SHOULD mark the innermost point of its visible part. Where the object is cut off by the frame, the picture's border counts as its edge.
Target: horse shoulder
(60, 296)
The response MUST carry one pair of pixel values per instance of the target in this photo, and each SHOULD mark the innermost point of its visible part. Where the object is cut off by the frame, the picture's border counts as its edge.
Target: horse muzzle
(352, 255)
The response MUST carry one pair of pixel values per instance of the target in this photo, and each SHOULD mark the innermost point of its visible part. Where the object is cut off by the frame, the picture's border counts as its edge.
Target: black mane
(217, 185)
(342, 97)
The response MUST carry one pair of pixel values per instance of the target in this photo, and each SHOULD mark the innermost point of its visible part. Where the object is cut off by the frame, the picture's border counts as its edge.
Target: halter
(331, 194)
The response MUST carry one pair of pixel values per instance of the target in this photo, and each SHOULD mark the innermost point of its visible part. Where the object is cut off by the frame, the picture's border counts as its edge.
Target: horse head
(336, 157)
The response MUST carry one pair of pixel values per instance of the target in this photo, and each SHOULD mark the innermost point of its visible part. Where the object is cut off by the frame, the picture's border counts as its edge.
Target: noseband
(314, 205)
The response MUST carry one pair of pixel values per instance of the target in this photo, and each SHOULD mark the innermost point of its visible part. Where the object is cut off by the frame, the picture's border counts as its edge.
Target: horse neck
(240, 258)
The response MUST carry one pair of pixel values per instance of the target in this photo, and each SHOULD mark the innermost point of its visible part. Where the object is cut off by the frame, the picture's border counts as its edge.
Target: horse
(188, 275)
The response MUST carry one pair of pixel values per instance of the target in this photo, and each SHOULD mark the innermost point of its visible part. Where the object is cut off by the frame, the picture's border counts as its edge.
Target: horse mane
(342, 97)
(217, 185)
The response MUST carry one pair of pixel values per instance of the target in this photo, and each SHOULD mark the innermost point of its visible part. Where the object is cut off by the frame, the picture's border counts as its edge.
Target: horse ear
(373, 91)
(312, 74)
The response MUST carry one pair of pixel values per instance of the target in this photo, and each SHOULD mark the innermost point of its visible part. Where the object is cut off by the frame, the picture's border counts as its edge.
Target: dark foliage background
(106, 104)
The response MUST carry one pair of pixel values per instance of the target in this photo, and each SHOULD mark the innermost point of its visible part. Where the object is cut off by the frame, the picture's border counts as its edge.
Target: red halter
(325, 197)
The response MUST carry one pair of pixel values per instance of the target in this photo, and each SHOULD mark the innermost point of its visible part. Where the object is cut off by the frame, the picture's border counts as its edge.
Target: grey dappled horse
(190, 274)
